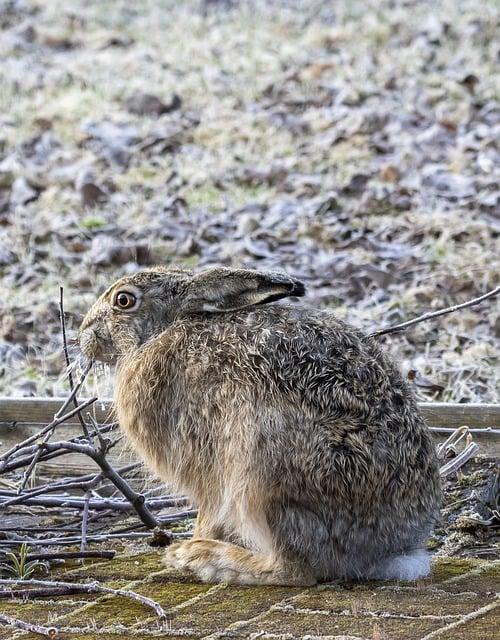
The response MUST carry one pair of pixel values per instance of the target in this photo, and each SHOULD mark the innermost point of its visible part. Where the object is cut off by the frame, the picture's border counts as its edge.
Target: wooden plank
(73, 464)
(42, 410)
(29, 414)
(448, 414)
(437, 414)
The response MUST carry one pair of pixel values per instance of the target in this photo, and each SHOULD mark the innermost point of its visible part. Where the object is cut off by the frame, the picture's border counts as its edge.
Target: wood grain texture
(22, 417)
(437, 414)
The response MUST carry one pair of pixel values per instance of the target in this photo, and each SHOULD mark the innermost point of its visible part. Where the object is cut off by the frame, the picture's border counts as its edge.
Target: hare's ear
(223, 289)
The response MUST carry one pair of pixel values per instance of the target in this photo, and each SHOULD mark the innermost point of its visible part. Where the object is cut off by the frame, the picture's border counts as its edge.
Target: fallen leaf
(148, 104)
(422, 381)
(389, 173)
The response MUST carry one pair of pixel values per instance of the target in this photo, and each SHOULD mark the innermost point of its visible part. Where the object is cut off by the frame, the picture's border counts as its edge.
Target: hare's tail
(217, 561)
(409, 566)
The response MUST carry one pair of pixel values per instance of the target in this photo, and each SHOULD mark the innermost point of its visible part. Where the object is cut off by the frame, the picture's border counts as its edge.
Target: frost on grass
(350, 143)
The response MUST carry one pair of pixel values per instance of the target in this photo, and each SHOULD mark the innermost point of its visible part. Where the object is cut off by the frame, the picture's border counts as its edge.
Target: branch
(22, 453)
(72, 502)
(70, 555)
(58, 419)
(90, 587)
(68, 363)
(434, 314)
(48, 632)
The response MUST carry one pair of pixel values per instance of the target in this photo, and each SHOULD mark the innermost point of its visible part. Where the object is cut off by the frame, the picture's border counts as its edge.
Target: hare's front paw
(216, 561)
(203, 558)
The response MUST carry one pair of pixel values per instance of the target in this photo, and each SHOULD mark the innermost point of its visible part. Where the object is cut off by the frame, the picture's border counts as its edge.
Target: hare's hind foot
(217, 561)
(408, 566)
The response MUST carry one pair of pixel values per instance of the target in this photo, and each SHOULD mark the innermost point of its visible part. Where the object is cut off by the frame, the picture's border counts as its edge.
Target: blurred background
(352, 143)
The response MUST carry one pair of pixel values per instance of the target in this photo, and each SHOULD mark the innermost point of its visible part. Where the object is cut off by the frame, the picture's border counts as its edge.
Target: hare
(294, 434)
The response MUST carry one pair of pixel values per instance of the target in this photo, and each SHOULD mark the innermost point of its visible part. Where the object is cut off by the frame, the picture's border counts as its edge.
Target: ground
(457, 601)
(349, 143)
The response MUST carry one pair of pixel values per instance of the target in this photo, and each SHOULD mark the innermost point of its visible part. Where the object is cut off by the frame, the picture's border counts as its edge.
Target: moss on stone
(485, 581)
(36, 611)
(108, 611)
(170, 594)
(121, 567)
(349, 608)
(331, 625)
(111, 610)
(221, 609)
(482, 628)
(365, 600)
(446, 568)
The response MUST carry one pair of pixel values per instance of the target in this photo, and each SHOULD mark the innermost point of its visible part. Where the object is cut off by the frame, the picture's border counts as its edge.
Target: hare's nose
(88, 341)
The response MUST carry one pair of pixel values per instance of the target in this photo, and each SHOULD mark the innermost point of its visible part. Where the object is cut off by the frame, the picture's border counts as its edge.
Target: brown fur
(295, 436)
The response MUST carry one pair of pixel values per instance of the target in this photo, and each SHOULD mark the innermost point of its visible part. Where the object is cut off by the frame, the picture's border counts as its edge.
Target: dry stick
(136, 500)
(84, 483)
(68, 363)
(71, 555)
(58, 419)
(19, 462)
(38, 455)
(85, 521)
(72, 541)
(102, 537)
(99, 456)
(81, 483)
(42, 592)
(48, 632)
(434, 314)
(28, 498)
(94, 504)
(454, 465)
(89, 587)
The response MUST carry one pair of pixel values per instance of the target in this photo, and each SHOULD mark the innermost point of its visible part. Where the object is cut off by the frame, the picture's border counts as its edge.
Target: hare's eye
(125, 300)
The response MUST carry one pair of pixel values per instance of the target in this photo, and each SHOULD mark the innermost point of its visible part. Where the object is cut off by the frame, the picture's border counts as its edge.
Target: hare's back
(322, 359)
(307, 356)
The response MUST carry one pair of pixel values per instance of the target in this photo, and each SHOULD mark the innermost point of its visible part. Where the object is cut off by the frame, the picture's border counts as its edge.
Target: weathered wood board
(437, 414)
(22, 417)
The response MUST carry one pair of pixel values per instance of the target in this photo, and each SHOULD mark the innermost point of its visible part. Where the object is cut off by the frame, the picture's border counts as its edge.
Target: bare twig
(68, 363)
(42, 592)
(136, 500)
(89, 587)
(434, 314)
(464, 456)
(85, 521)
(95, 504)
(81, 483)
(23, 454)
(38, 454)
(71, 555)
(101, 537)
(48, 632)
(58, 419)
(99, 456)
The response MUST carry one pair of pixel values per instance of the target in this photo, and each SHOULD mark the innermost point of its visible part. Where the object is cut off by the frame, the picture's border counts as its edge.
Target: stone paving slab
(458, 601)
